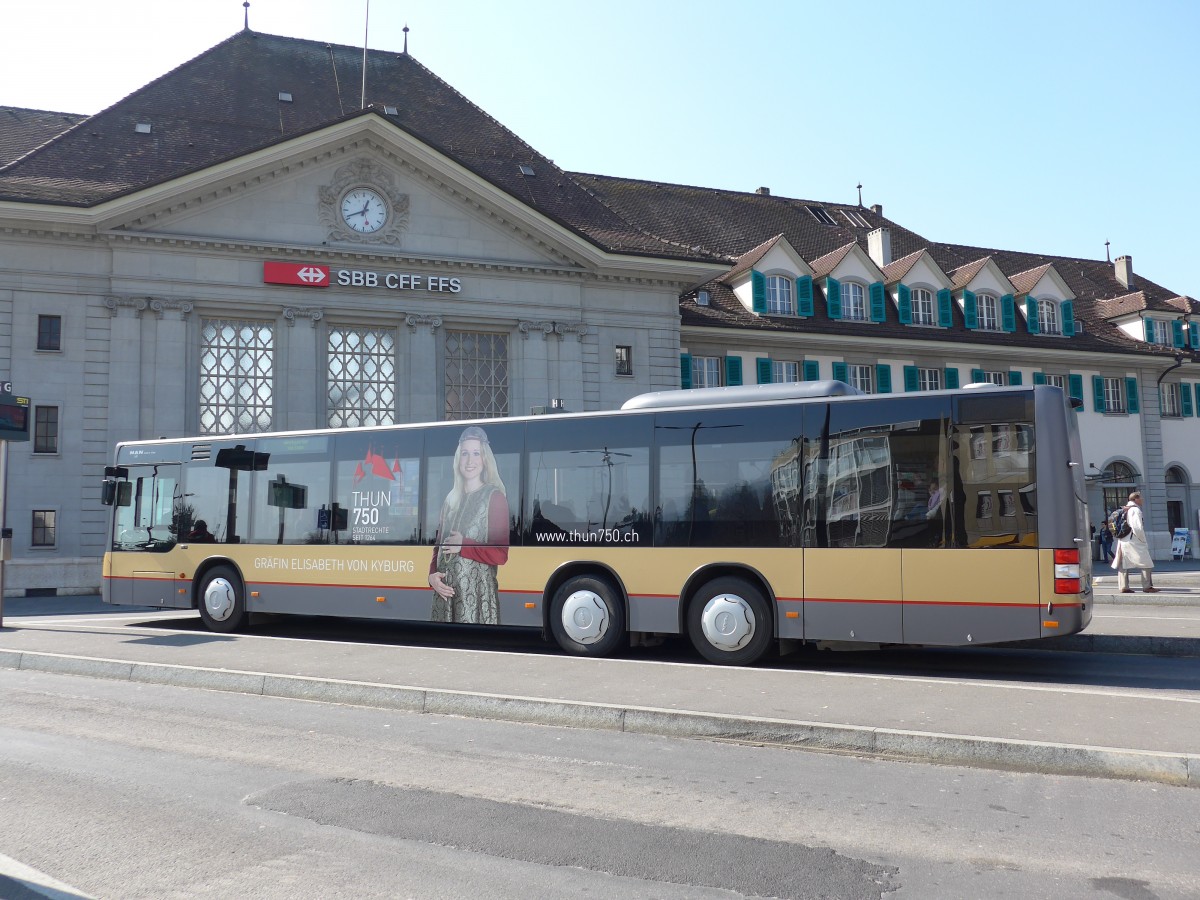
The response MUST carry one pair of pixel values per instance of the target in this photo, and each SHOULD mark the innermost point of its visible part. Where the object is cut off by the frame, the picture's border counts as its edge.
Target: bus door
(145, 531)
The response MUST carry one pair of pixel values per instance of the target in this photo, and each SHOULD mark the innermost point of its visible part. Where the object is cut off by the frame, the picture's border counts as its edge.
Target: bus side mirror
(108, 492)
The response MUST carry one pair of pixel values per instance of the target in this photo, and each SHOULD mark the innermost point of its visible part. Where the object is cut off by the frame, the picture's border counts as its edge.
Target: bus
(749, 519)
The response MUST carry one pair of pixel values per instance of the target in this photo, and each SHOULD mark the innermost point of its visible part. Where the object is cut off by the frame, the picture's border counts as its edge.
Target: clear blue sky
(1045, 126)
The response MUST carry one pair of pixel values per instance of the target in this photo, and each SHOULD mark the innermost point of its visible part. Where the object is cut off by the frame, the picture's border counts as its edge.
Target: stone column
(125, 400)
(167, 355)
(417, 373)
(299, 371)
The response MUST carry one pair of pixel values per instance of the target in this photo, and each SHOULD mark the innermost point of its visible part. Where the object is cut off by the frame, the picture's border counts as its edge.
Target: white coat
(1133, 551)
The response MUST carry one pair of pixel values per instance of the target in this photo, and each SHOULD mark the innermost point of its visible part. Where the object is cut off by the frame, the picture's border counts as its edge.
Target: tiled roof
(747, 260)
(896, 270)
(224, 104)
(22, 130)
(823, 265)
(1024, 282)
(963, 275)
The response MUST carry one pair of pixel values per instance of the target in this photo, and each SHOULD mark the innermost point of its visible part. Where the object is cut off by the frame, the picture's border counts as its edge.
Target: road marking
(38, 882)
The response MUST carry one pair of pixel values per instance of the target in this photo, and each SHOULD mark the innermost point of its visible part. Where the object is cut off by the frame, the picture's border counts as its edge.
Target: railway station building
(241, 246)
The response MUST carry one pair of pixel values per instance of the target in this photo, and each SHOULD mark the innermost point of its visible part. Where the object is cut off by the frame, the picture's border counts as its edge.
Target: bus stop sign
(14, 417)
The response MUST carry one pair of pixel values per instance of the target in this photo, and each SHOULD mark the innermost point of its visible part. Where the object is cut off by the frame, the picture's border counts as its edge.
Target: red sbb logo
(303, 274)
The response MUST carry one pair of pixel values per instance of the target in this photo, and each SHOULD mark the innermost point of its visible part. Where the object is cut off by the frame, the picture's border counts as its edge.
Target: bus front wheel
(730, 622)
(222, 601)
(587, 617)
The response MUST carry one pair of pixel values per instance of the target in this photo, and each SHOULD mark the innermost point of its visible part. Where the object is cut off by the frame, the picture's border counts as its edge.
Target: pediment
(291, 196)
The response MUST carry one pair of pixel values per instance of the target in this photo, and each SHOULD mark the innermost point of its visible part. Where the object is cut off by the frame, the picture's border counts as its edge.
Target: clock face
(364, 211)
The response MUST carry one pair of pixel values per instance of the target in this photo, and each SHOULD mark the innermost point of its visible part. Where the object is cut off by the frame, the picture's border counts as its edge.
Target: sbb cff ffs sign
(302, 274)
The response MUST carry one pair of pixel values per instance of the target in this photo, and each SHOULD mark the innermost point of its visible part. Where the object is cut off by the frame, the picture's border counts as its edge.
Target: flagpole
(366, 30)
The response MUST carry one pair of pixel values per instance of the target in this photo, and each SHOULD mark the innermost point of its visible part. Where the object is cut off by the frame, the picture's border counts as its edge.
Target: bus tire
(587, 617)
(222, 600)
(730, 622)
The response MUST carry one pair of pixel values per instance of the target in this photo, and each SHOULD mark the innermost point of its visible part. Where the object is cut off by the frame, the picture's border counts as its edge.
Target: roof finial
(860, 193)
(1107, 257)
(406, 39)
(246, 23)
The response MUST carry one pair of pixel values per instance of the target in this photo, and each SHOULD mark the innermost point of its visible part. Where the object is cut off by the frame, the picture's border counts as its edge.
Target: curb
(1138, 645)
(1181, 769)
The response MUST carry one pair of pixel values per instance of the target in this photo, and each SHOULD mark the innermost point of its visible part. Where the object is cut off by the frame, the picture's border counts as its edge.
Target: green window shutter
(804, 295)
(833, 297)
(1031, 315)
(812, 370)
(1068, 318)
(1039, 378)
(685, 370)
(839, 372)
(883, 379)
(1014, 377)
(1185, 399)
(951, 379)
(1008, 313)
(733, 370)
(758, 292)
(904, 304)
(970, 310)
(1194, 334)
(912, 381)
(945, 302)
(1075, 387)
(878, 302)
(977, 376)
(1197, 386)
(1148, 326)
(763, 366)
(1177, 334)
(1098, 393)
(1131, 395)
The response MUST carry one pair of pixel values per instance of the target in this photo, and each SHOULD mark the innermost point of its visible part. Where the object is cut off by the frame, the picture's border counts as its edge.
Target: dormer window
(854, 306)
(1048, 317)
(779, 296)
(987, 311)
(923, 312)
(702, 298)
(1158, 332)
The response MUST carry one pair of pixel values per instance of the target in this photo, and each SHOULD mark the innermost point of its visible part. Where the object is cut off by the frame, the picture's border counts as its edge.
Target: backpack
(1119, 523)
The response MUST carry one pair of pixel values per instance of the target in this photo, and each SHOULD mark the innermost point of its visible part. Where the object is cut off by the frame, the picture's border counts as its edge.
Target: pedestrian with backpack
(1133, 551)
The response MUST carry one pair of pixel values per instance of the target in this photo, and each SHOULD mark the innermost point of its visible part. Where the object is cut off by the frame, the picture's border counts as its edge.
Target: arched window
(854, 305)
(922, 307)
(1048, 317)
(987, 312)
(779, 295)
(1119, 472)
(1118, 483)
(1176, 475)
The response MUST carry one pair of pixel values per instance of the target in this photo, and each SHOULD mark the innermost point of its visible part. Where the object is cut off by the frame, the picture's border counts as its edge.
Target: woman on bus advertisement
(472, 537)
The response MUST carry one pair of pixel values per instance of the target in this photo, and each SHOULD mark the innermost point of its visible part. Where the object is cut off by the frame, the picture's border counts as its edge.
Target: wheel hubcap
(585, 617)
(728, 622)
(219, 599)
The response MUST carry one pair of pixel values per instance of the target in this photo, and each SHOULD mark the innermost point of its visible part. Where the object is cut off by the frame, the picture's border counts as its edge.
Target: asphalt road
(141, 790)
(1108, 714)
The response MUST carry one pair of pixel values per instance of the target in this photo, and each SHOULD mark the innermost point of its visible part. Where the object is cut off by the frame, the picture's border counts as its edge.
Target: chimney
(1124, 267)
(877, 208)
(765, 191)
(879, 246)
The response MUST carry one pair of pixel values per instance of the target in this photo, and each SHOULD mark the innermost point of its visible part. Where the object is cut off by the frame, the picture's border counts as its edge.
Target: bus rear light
(1066, 557)
(1066, 585)
(531, 606)
(1066, 571)
(1049, 623)
(381, 599)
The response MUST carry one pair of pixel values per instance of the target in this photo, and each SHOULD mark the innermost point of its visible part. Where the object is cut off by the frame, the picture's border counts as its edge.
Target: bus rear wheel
(587, 617)
(730, 622)
(222, 600)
